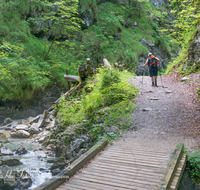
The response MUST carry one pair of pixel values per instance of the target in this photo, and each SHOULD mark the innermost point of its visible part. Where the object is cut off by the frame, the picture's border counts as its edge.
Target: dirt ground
(165, 117)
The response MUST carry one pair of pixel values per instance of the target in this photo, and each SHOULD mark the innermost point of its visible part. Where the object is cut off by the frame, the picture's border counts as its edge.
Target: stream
(34, 162)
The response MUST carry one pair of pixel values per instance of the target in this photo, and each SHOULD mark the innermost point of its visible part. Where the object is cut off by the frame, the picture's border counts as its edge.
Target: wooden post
(69, 84)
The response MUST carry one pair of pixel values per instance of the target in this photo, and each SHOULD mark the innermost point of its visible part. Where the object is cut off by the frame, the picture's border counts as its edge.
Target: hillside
(109, 29)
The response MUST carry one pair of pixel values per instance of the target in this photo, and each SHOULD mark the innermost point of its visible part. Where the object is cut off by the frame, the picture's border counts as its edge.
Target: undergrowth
(115, 34)
(194, 167)
(107, 100)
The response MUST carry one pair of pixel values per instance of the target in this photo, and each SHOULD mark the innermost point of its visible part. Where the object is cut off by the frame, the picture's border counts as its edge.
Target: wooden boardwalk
(119, 169)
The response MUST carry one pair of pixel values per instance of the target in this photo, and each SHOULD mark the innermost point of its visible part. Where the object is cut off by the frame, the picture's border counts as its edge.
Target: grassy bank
(106, 100)
(115, 34)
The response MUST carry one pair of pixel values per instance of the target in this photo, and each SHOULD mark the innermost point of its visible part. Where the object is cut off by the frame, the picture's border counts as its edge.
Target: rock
(11, 162)
(7, 121)
(51, 160)
(185, 79)
(3, 138)
(22, 127)
(60, 163)
(154, 99)
(163, 133)
(42, 139)
(77, 144)
(193, 54)
(112, 129)
(5, 151)
(146, 109)
(55, 171)
(82, 151)
(20, 134)
(34, 129)
(68, 153)
(20, 151)
(24, 180)
(42, 121)
(100, 120)
(168, 91)
(34, 120)
(51, 125)
(7, 178)
(43, 136)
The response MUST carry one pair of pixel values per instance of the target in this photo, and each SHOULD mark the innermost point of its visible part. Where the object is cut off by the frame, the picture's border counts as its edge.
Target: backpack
(153, 61)
(82, 68)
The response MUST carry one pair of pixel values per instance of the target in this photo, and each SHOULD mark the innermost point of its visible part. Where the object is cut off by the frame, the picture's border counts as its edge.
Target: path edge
(171, 168)
(60, 178)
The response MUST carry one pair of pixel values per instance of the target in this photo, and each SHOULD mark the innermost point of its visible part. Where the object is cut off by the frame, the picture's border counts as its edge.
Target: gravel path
(164, 117)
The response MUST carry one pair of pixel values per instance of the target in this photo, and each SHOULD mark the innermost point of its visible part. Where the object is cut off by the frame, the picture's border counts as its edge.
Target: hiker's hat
(88, 59)
(149, 54)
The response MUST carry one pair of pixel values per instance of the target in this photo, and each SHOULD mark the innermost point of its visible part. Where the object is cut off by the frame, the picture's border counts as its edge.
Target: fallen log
(71, 91)
(71, 78)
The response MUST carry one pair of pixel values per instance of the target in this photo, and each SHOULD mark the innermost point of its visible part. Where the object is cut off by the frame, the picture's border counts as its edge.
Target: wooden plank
(125, 173)
(171, 169)
(79, 186)
(136, 152)
(126, 168)
(122, 176)
(137, 159)
(140, 157)
(95, 185)
(115, 184)
(117, 179)
(130, 163)
(71, 187)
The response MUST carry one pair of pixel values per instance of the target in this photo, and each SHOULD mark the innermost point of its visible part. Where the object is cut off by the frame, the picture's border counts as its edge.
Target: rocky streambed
(34, 149)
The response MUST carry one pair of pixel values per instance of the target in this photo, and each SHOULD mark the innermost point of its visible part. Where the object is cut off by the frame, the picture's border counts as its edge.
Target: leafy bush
(110, 99)
(194, 159)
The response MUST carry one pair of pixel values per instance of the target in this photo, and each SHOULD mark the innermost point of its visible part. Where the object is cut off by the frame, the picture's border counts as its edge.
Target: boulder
(43, 136)
(42, 121)
(51, 125)
(24, 180)
(7, 121)
(22, 127)
(11, 162)
(3, 138)
(20, 134)
(112, 129)
(34, 129)
(20, 151)
(7, 178)
(33, 120)
(60, 164)
(77, 144)
(5, 151)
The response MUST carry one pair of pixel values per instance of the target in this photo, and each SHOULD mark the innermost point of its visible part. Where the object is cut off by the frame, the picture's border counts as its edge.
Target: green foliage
(185, 28)
(194, 159)
(110, 99)
(37, 63)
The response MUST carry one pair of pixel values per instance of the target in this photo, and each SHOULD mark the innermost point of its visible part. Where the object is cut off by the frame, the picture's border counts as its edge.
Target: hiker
(89, 69)
(152, 63)
(82, 72)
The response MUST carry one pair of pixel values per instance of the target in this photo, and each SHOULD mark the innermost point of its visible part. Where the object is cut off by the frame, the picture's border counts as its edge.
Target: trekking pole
(142, 77)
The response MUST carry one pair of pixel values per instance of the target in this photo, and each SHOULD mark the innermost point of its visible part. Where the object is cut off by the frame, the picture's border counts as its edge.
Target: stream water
(34, 162)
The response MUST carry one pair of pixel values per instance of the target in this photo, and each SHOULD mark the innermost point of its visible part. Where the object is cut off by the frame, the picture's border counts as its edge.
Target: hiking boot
(156, 83)
(152, 84)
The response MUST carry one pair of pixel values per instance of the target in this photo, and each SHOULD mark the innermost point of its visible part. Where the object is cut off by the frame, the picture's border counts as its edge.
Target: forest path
(172, 116)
